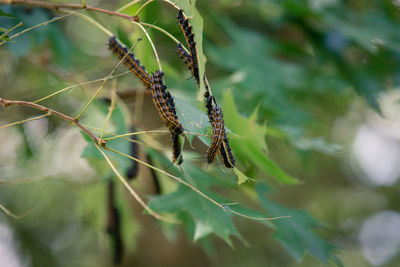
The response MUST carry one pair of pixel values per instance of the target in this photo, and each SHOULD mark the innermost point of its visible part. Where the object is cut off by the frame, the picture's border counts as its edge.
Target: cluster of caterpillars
(162, 99)
(164, 102)
(219, 141)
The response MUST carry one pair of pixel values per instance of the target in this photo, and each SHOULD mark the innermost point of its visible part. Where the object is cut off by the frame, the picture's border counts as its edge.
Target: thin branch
(127, 5)
(165, 32)
(11, 29)
(104, 82)
(9, 213)
(132, 191)
(27, 120)
(68, 6)
(89, 19)
(151, 43)
(79, 84)
(151, 131)
(5, 103)
(180, 180)
(143, 6)
(110, 110)
(36, 26)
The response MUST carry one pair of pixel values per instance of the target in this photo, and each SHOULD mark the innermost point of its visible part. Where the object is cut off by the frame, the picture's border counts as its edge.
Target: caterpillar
(133, 170)
(225, 148)
(176, 148)
(226, 153)
(214, 114)
(188, 34)
(130, 61)
(218, 134)
(164, 103)
(114, 225)
(165, 106)
(184, 56)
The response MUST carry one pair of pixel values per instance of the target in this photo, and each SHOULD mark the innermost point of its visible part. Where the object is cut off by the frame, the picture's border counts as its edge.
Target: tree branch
(5, 103)
(68, 6)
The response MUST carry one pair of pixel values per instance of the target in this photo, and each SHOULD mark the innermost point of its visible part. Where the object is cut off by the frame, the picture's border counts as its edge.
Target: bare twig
(5, 103)
(9, 213)
(68, 6)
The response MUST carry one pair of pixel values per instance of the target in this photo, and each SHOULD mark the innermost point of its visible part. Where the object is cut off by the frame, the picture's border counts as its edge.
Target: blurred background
(323, 76)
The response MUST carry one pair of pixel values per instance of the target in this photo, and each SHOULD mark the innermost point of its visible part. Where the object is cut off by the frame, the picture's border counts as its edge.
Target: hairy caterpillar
(176, 148)
(218, 134)
(130, 61)
(186, 29)
(165, 106)
(184, 56)
(225, 148)
(164, 103)
(226, 153)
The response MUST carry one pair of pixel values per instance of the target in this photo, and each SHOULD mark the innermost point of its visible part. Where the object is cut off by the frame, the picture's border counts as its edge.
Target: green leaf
(296, 233)
(241, 177)
(193, 119)
(207, 217)
(248, 141)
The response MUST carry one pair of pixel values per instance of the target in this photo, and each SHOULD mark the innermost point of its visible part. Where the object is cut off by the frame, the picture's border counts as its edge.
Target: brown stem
(5, 103)
(68, 6)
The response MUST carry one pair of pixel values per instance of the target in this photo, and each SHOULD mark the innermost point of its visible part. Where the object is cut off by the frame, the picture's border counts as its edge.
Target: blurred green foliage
(282, 70)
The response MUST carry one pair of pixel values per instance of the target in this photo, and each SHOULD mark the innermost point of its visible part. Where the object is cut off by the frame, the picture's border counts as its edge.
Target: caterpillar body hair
(130, 61)
(188, 34)
(218, 134)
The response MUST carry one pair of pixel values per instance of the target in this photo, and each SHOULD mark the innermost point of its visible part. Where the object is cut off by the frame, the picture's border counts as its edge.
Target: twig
(9, 213)
(127, 5)
(143, 6)
(68, 6)
(36, 26)
(89, 19)
(27, 120)
(132, 191)
(151, 43)
(104, 83)
(79, 84)
(5, 103)
(110, 110)
(11, 29)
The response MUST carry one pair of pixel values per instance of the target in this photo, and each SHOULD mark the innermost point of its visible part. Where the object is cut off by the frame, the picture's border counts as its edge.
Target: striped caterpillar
(130, 61)
(165, 106)
(176, 148)
(164, 103)
(225, 148)
(218, 134)
(188, 34)
(215, 115)
(184, 56)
